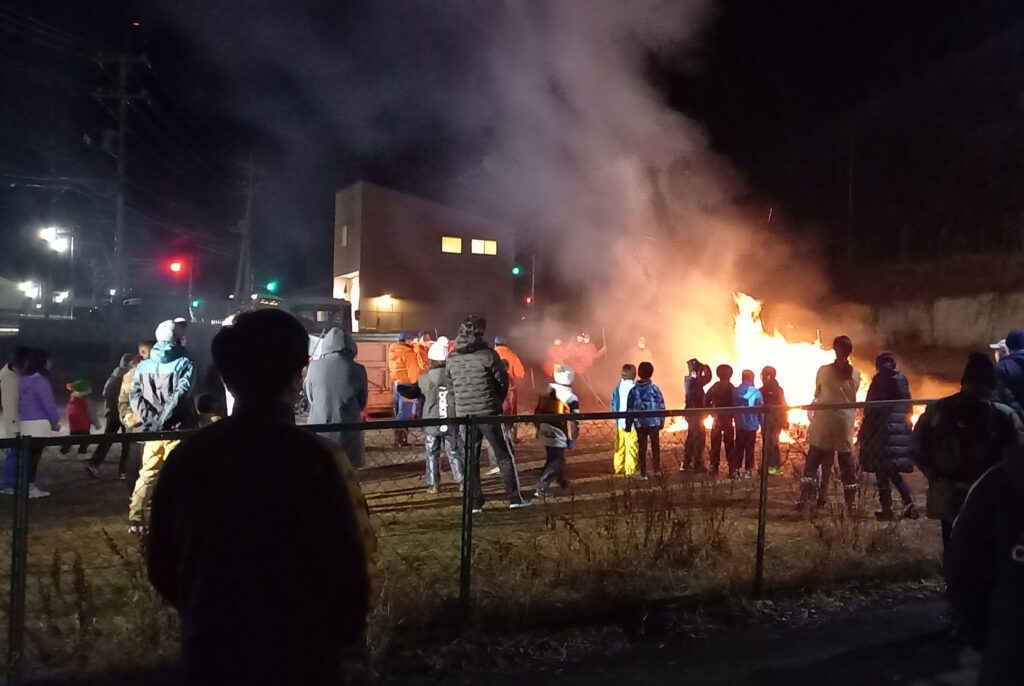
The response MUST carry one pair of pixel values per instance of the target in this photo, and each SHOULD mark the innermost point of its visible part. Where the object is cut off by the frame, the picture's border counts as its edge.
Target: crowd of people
(969, 446)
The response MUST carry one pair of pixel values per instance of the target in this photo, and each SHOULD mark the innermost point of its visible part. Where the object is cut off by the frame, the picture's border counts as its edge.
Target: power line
(43, 27)
(25, 30)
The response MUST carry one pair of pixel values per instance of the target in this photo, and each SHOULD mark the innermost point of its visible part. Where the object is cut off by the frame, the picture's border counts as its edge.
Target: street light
(31, 289)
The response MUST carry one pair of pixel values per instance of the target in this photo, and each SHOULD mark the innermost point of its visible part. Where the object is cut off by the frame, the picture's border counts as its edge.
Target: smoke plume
(547, 121)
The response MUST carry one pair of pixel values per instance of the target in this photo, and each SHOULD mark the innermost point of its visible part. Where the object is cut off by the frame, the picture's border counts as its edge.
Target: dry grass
(612, 544)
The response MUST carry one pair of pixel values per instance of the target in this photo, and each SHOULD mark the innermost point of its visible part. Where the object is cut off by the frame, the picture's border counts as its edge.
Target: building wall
(961, 321)
(405, 281)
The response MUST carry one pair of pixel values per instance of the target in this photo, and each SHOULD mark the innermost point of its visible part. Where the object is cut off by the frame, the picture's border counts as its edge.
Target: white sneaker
(521, 504)
(7, 491)
(36, 492)
(492, 471)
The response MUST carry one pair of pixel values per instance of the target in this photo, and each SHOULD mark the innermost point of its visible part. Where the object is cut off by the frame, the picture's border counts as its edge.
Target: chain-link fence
(613, 528)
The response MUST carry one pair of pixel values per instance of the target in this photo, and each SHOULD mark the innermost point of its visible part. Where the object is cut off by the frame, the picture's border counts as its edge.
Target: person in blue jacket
(747, 424)
(644, 397)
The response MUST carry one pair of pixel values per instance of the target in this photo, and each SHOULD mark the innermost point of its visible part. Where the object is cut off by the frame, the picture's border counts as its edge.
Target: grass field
(610, 543)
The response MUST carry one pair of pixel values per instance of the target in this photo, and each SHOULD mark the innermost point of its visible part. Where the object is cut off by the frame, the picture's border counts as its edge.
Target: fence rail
(603, 524)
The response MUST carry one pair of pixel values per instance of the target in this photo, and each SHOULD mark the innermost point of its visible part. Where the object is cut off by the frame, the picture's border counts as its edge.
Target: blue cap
(406, 336)
(1015, 340)
(500, 340)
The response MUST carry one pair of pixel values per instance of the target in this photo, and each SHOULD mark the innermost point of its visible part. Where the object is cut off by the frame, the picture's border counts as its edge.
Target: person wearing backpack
(959, 438)
(884, 438)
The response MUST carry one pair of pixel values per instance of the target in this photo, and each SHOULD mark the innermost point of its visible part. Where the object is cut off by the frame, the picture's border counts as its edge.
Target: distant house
(410, 264)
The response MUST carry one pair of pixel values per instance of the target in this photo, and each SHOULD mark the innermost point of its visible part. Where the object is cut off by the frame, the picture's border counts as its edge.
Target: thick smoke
(557, 131)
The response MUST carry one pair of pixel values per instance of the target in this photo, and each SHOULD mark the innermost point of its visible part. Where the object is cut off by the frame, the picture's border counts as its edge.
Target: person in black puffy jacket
(984, 569)
(885, 438)
(481, 382)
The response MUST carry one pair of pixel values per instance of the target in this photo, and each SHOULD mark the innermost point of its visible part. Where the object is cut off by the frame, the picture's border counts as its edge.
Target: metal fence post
(762, 510)
(19, 555)
(470, 480)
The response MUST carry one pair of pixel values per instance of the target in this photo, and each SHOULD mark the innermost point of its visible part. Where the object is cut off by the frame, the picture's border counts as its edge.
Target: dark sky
(925, 98)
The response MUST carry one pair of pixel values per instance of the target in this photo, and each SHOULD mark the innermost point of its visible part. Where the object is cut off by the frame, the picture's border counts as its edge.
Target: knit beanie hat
(438, 351)
(980, 371)
(81, 386)
(170, 330)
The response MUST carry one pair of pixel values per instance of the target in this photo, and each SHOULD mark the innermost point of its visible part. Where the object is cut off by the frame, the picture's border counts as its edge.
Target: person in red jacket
(81, 414)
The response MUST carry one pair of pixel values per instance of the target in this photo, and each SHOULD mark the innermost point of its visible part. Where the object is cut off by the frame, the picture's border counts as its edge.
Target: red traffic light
(529, 299)
(176, 266)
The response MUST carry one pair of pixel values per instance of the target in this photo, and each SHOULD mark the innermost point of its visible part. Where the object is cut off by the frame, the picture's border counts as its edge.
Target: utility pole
(243, 276)
(123, 97)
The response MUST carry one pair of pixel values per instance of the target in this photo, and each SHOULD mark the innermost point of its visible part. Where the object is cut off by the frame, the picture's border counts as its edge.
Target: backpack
(964, 441)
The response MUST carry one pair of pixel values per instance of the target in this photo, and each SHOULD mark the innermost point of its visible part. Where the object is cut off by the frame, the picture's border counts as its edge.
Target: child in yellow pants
(624, 460)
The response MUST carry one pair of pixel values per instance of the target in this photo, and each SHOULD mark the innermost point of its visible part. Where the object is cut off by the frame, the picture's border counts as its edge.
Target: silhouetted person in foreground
(259, 534)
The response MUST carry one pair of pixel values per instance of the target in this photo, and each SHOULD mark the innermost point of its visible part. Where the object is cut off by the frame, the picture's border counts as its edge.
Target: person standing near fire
(557, 436)
(747, 424)
(646, 397)
(1010, 369)
(404, 367)
(723, 430)
(698, 376)
(831, 431)
(624, 457)
(775, 421)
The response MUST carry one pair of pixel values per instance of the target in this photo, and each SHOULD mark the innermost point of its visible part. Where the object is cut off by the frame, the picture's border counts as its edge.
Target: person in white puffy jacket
(557, 436)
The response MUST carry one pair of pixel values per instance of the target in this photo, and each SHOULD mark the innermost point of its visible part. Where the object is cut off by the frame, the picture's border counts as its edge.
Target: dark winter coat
(885, 433)
(694, 388)
(957, 439)
(1010, 371)
(775, 407)
(337, 391)
(435, 389)
(480, 379)
(984, 569)
(721, 395)
(160, 389)
(112, 388)
(260, 539)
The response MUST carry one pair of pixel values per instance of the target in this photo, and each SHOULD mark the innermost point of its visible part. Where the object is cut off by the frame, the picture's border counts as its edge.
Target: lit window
(482, 247)
(344, 236)
(452, 244)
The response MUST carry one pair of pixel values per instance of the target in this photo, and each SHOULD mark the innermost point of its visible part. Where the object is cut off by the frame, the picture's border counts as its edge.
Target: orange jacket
(515, 365)
(403, 363)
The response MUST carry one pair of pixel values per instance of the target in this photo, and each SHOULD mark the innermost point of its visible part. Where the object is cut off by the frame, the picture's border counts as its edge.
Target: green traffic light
(517, 270)
(196, 302)
(272, 286)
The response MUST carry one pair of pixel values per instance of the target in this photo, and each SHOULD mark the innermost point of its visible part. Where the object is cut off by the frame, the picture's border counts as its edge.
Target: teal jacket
(160, 388)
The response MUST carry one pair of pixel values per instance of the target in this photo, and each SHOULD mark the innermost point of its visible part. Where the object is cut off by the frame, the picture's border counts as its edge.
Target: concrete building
(407, 263)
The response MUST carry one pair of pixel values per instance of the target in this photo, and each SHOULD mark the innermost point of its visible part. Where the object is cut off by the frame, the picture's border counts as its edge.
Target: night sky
(918, 104)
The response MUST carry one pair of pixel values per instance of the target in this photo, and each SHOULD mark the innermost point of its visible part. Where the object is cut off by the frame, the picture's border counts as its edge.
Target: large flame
(796, 363)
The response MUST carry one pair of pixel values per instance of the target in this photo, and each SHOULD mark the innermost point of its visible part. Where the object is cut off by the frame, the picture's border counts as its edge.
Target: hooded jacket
(515, 365)
(984, 569)
(404, 363)
(832, 430)
(645, 396)
(337, 390)
(885, 433)
(559, 434)
(693, 385)
(748, 396)
(775, 402)
(160, 388)
(481, 382)
(112, 387)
